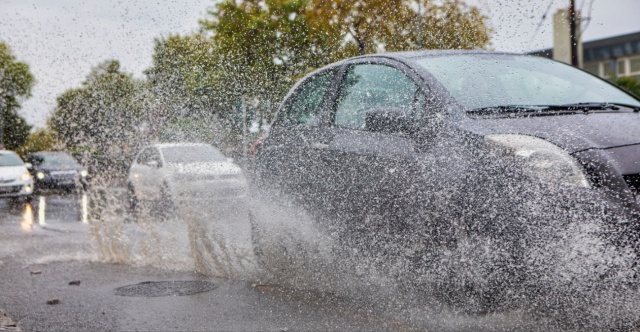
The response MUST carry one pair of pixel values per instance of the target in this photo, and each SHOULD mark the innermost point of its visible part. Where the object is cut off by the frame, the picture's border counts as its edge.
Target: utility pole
(244, 129)
(419, 24)
(572, 32)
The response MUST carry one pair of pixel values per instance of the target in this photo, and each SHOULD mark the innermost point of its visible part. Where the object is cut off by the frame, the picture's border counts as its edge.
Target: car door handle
(320, 146)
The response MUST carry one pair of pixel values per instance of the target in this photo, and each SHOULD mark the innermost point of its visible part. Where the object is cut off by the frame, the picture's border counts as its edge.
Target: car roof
(47, 153)
(412, 55)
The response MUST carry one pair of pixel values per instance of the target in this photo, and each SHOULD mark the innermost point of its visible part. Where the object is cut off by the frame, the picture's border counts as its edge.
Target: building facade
(612, 57)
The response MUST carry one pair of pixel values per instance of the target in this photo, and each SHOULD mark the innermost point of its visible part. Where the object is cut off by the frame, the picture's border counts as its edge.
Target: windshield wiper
(600, 106)
(556, 109)
(501, 109)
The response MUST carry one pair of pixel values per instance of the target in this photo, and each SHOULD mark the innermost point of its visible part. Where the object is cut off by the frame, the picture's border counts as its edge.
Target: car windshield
(10, 159)
(57, 160)
(192, 154)
(483, 81)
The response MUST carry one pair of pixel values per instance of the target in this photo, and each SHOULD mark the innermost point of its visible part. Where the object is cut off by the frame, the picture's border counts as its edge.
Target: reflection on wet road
(44, 210)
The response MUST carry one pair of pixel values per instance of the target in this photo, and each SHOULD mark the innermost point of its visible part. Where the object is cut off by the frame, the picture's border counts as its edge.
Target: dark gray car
(57, 170)
(413, 156)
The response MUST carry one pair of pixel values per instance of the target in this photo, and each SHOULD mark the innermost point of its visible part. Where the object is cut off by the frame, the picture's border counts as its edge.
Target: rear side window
(148, 155)
(304, 105)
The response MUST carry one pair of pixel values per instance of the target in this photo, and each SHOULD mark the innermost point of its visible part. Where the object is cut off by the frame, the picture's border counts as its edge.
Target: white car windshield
(10, 159)
(192, 154)
(490, 80)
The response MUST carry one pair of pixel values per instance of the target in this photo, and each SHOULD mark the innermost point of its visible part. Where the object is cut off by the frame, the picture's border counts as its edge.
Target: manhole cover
(165, 288)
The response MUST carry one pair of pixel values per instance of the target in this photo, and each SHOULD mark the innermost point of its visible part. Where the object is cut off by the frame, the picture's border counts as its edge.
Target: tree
(99, 122)
(629, 83)
(182, 81)
(268, 44)
(41, 140)
(399, 25)
(16, 82)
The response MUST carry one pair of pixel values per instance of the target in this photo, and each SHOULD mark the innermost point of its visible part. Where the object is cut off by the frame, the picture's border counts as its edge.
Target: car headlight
(25, 177)
(84, 173)
(40, 175)
(547, 161)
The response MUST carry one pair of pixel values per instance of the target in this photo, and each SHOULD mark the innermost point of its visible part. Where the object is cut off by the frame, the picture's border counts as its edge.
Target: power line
(544, 17)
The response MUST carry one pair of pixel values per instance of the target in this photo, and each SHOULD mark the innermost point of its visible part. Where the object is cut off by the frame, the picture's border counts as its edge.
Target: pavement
(60, 272)
(65, 261)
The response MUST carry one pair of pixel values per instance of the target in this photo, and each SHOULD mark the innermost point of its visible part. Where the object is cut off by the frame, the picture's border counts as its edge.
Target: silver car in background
(173, 172)
(15, 179)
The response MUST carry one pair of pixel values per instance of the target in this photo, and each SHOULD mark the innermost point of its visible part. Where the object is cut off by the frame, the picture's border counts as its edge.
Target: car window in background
(35, 160)
(143, 158)
(367, 87)
(305, 103)
(10, 159)
(481, 80)
(192, 154)
(58, 160)
(148, 155)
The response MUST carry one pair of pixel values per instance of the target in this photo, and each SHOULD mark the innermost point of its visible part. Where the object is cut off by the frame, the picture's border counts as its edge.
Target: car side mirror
(389, 120)
(28, 166)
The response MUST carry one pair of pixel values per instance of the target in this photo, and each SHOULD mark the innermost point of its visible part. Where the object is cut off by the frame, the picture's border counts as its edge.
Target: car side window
(143, 158)
(35, 160)
(148, 155)
(303, 106)
(155, 156)
(373, 86)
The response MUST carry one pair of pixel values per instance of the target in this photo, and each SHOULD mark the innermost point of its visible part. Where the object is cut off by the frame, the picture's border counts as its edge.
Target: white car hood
(11, 172)
(207, 168)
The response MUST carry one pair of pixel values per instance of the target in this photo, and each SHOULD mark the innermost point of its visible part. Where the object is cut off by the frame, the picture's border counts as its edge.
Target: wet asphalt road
(59, 271)
(47, 244)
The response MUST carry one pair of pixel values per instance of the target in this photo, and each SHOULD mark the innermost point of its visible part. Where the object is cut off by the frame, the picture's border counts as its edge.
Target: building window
(634, 66)
(593, 68)
(622, 67)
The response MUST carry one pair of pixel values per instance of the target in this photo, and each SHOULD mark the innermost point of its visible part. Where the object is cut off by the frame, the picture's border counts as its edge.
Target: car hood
(11, 172)
(574, 132)
(206, 168)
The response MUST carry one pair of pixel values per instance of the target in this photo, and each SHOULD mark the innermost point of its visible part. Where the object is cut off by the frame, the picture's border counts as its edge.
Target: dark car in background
(57, 170)
(458, 165)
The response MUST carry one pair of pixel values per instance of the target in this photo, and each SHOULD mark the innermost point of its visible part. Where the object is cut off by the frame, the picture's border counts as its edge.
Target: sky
(61, 40)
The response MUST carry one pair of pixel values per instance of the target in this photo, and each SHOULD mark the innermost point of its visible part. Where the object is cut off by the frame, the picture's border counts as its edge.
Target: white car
(15, 179)
(177, 171)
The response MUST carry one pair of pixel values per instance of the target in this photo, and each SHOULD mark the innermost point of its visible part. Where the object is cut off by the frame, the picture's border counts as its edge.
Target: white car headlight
(40, 175)
(83, 173)
(25, 177)
(547, 161)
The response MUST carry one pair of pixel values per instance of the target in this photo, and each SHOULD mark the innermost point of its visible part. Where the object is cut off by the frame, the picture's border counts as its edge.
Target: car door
(289, 157)
(370, 168)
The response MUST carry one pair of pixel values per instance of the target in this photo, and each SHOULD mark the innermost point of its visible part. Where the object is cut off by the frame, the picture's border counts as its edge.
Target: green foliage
(40, 140)
(396, 25)
(629, 83)
(16, 82)
(182, 81)
(99, 122)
